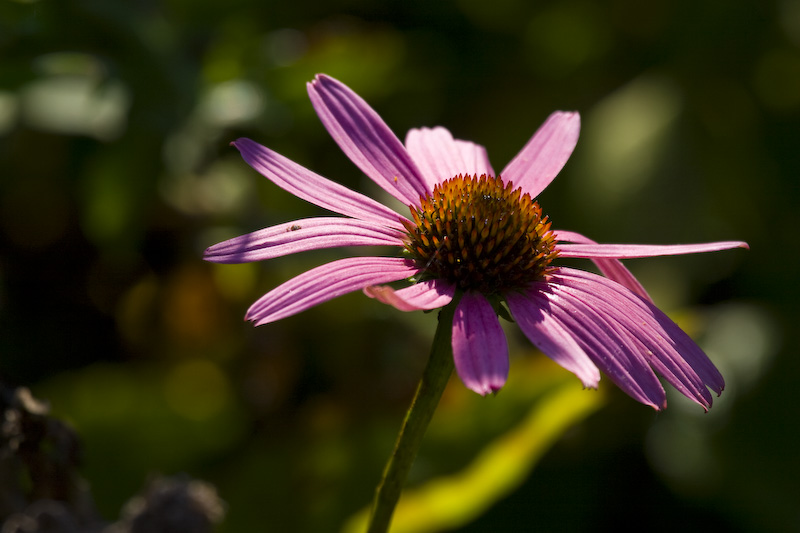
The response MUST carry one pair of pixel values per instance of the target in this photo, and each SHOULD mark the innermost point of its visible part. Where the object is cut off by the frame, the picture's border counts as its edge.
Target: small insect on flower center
(480, 234)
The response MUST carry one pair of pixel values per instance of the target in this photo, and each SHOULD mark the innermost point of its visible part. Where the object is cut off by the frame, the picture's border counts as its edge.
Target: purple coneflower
(478, 237)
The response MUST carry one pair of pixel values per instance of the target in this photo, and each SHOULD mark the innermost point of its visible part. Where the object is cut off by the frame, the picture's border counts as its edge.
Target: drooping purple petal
(300, 236)
(430, 294)
(614, 355)
(552, 339)
(645, 311)
(628, 251)
(612, 268)
(545, 154)
(366, 139)
(440, 157)
(638, 330)
(480, 350)
(313, 188)
(326, 282)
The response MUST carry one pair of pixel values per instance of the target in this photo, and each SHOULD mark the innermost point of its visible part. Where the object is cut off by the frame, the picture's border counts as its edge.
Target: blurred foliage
(445, 502)
(115, 174)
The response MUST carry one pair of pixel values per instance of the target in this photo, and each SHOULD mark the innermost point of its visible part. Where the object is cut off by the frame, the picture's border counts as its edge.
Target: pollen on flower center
(480, 234)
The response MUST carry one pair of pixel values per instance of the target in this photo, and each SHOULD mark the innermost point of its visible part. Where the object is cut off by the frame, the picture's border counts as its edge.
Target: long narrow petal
(658, 350)
(441, 157)
(475, 157)
(545, 154)
(551, 338)
(430, 294)
(326, 282)
(614, 355)
(633, 325)
(642, 310)
(612, 268)
(300, 236)
(313, 188)
(628, 251)
(480, 349)
(366, 139)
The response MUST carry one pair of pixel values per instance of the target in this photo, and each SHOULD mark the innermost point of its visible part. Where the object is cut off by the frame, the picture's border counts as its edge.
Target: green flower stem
(429, 392)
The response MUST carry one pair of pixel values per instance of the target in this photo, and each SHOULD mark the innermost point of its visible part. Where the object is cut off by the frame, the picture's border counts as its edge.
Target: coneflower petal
(480, 349)
(551, 338)
(614, 355)
(640, 309)
(641, 333)
(425, 295)
(611, 268)
(300, 236)
(441, 157)
(326, 282)
(366, 139)
(545, 154)
(628, 251)
(313, 188)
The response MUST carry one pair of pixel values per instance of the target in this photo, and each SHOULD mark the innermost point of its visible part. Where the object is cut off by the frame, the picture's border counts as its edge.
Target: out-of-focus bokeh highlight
(116, 173)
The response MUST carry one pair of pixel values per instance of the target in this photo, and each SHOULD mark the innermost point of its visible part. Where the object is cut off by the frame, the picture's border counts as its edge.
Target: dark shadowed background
(116, 173)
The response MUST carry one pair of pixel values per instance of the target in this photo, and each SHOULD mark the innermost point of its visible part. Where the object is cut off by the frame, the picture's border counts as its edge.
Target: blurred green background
(115, 174)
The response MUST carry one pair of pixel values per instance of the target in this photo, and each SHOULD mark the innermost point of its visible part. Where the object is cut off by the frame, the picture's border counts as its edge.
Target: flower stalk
(429, 391)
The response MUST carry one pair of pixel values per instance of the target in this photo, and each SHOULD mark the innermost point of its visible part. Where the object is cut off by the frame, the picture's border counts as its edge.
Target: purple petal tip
(484, 389)
(318, 78)
(237, 143)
